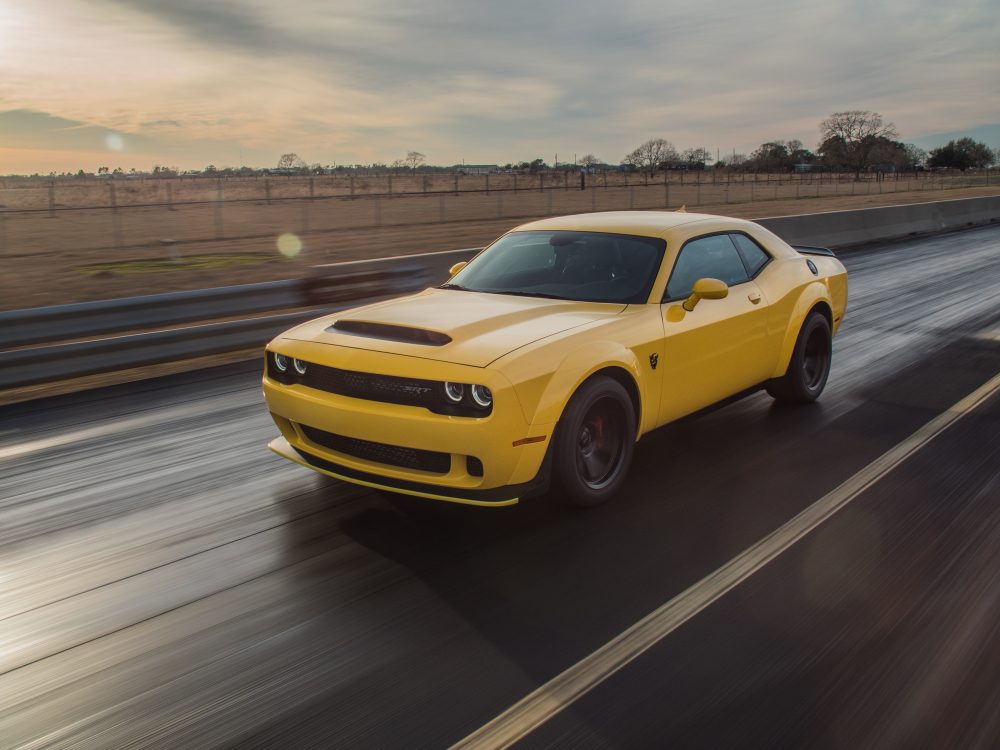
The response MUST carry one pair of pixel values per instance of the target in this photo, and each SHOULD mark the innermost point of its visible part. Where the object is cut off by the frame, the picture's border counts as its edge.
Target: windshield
(580, 266)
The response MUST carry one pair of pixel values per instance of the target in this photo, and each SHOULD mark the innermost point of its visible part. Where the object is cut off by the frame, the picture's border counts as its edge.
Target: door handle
(754, 297)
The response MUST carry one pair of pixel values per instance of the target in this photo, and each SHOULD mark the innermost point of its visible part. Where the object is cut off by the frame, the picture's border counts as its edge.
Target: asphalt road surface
(165, 581)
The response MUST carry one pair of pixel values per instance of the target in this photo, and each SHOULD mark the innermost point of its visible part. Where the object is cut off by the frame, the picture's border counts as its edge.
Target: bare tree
(291, 161)
(696, 155)
(588, 161)
(849, 138)
(915, 156)
(651, 155)
(413, 159)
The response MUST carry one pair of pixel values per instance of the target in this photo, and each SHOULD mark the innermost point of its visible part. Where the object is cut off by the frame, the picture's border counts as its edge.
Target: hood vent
(389, 332)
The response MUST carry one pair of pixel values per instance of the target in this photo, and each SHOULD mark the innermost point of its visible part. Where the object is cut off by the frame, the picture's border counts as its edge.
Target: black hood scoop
(388, 332)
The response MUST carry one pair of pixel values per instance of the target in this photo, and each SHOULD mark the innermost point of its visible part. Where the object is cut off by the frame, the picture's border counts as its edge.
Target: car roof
(643, 223)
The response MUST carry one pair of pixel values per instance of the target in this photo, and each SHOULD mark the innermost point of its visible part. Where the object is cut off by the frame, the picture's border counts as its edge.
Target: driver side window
(713, 257)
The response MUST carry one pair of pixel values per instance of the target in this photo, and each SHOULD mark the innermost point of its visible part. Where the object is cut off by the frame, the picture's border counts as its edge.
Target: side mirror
(457, 267)
(705, 289)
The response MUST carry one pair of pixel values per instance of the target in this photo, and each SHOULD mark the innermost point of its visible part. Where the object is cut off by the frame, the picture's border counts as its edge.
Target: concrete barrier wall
(845, 228)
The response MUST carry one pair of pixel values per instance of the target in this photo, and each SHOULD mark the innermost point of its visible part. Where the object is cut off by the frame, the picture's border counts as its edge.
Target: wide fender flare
(810, 296)
(577, 368)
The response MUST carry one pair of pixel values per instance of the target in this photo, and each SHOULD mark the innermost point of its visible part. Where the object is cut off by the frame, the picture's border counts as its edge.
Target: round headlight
(281, 362)
(482, 396)
(300, 366)
(454, 391)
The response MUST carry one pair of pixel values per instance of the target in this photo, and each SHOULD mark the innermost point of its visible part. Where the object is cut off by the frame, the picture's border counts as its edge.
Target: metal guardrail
(101, 352)
(76, 359)
(87, 319)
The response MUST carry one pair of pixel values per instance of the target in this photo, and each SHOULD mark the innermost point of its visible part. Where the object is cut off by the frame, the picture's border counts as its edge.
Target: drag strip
(167, 582)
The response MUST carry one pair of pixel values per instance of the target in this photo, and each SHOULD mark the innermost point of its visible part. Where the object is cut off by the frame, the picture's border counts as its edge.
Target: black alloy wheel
(600, 443)
(816, 358)
(594, 443)
(809, 367)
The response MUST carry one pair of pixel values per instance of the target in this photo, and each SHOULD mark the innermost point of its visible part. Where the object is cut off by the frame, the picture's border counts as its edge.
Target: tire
(809, 367)
(594, 443)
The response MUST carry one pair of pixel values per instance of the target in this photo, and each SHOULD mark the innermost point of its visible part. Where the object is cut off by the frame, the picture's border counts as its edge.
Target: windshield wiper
(457, 287)
(537, 294)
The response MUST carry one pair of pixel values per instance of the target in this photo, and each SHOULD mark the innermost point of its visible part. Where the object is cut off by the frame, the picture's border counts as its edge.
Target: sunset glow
(85, 83)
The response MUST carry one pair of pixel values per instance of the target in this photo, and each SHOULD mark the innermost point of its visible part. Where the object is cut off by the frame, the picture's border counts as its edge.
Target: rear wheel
(594, 443)
(809, 367)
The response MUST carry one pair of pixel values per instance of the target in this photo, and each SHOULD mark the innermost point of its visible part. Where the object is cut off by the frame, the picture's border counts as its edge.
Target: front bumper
(508, 471)
(499, 496)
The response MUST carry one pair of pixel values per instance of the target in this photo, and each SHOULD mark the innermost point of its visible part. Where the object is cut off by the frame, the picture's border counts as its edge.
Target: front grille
(390, 389)
(382, 453)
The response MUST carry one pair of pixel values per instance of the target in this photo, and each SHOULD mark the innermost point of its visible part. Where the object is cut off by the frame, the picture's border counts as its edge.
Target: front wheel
(594, 443)
(810, 364)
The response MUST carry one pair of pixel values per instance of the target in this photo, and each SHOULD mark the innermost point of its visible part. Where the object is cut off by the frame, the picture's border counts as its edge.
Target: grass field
(71, 244)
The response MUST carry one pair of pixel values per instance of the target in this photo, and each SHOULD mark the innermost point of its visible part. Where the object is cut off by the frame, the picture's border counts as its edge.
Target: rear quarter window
(753, 254)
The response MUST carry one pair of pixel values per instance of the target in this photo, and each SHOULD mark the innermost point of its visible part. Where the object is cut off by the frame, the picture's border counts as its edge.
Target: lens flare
(289, 245)
(114, 142)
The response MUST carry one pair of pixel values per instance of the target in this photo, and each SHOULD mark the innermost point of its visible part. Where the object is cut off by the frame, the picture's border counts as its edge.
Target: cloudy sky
(134, 83)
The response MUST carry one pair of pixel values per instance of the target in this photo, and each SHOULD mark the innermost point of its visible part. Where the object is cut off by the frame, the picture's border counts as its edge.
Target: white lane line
(558, 693)
(157, 417)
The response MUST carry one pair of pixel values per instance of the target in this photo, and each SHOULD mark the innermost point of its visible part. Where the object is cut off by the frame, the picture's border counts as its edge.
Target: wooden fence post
(116, 227)
(220, 229)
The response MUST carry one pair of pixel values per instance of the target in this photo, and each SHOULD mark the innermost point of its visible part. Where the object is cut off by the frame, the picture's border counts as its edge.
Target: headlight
(482, 396)
(454, 391)
(300, 366)
(281, 362)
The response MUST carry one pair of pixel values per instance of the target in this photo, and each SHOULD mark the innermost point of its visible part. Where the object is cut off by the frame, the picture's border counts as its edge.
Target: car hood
(467, 328)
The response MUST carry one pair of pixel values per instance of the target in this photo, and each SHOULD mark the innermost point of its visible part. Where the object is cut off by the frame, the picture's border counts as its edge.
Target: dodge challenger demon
(542, 361)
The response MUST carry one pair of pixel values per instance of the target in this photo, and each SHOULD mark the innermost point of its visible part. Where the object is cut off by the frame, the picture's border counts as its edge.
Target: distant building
(477, 168)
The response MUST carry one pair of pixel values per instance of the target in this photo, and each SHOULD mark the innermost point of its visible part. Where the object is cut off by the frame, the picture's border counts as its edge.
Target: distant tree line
(851, 141)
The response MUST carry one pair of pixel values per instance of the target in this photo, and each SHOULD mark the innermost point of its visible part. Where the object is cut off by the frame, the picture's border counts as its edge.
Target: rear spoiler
(810, 250)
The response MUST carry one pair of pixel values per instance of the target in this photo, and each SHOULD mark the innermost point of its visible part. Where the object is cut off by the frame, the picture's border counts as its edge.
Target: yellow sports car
(543, 360)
